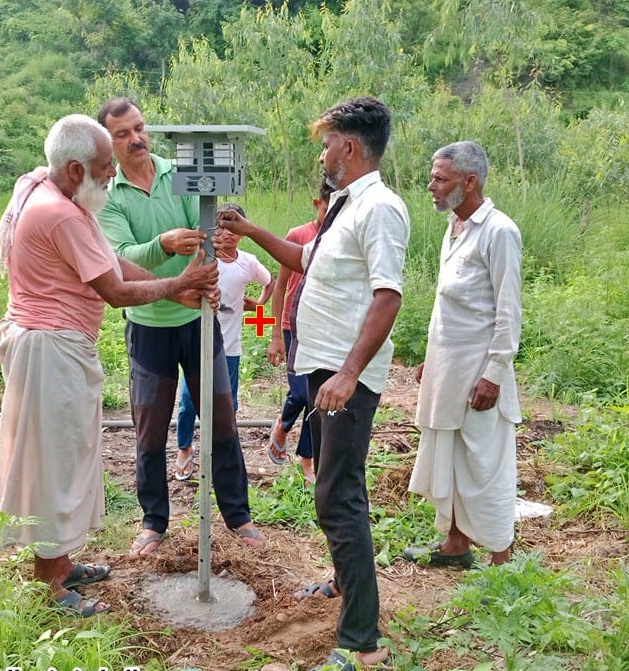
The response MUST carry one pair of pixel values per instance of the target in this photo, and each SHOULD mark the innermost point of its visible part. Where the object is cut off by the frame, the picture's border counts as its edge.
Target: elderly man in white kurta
(468, 406)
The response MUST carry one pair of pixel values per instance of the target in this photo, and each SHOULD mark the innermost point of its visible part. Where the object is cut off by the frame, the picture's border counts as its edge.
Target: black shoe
(438, 558)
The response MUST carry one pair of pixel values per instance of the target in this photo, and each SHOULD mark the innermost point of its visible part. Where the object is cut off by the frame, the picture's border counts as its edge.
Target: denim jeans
(296, 404)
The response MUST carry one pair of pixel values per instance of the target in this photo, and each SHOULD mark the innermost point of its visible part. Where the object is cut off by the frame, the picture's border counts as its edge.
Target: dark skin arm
(139, 287)
(336, 391)
(485, 395)
(286, 252)
(265, 294)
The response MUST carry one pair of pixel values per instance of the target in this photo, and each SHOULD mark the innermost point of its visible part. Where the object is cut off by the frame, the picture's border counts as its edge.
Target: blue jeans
(187, 415)
(296, 404)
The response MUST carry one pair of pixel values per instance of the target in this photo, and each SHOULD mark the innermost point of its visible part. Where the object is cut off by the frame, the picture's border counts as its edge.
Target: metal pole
(241, 423)
(207, 206)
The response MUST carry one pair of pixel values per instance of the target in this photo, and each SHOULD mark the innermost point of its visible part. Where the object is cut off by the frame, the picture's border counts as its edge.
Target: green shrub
(519, 616)
(575, 336)
(591, 465)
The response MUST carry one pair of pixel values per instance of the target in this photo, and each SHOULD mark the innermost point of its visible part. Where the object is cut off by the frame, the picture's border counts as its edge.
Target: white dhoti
(471, 471)
(50, 445)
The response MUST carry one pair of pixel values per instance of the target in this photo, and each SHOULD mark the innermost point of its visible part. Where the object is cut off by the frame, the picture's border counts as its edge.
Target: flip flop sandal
(248, 532)
(71, 602)
(281, 449)
(329, 589)
(84, 574)
(143, 541)
(182, 467)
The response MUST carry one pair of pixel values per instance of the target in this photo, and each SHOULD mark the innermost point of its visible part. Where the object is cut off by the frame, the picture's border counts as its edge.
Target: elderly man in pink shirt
(61, 272)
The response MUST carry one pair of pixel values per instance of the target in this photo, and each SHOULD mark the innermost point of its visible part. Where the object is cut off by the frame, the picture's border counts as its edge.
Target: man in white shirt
(350, 296)
(468, 405)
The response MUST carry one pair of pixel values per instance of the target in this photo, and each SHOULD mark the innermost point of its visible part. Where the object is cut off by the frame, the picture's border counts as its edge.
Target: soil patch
(304, 632)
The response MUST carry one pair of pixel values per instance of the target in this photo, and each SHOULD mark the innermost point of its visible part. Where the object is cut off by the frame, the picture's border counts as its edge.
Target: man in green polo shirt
(146, 224)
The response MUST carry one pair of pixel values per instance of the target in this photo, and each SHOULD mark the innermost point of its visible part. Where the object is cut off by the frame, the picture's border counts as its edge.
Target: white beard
(454, 198)
(91, 195)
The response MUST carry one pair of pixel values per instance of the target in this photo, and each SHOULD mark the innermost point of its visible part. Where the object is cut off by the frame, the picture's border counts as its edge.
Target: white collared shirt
(363, 251)
(476, 320)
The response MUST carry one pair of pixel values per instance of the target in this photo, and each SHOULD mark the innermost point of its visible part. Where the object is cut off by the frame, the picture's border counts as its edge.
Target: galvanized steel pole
(208, 224)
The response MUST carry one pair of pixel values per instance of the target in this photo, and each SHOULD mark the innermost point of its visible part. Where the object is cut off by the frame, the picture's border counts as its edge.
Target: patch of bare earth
(281, 627)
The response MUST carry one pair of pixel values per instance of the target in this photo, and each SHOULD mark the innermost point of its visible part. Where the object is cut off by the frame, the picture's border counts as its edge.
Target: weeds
(285, 502)
(394, 530)
(591, 465)
(518, 617)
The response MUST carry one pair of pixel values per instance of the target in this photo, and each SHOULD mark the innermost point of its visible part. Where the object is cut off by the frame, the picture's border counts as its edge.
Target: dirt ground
(304, 632)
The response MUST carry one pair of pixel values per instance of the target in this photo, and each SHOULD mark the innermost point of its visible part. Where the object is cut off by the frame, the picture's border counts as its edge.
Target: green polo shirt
(133, 220)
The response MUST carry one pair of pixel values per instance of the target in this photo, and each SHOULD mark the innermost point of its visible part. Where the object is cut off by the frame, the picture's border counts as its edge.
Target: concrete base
(172, 599)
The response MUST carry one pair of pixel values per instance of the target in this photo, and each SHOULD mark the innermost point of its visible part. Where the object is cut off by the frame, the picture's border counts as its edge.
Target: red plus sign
(260, 321)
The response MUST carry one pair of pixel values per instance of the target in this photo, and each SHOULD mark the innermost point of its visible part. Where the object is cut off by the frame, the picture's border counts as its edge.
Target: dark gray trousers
(155, 354)
(340, 445)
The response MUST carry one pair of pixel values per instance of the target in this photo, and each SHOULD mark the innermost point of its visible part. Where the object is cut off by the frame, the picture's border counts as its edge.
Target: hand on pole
(182, 241)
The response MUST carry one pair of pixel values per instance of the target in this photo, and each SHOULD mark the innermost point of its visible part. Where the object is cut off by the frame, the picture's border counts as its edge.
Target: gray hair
(467, 158)
(73, 138)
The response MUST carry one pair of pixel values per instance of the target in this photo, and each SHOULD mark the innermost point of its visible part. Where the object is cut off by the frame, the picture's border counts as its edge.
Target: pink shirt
(301, 235)
(57, 249)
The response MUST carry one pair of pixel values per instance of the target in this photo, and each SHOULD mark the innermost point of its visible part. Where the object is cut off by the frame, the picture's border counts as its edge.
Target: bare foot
(503, 557)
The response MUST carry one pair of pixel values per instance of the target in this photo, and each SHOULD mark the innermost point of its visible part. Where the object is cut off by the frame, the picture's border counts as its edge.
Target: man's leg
(233, 368)
(297, 396)
(341, 443)
(295, 404)
(456, 543)
(229, 474)
(154, 373)
(186, 417)
(54, 571)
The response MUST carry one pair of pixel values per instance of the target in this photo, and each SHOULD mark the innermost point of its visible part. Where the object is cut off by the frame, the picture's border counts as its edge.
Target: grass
(590, 466)
(34, 634)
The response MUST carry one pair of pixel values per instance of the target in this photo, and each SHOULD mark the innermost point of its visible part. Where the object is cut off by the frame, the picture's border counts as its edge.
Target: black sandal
(329, 589)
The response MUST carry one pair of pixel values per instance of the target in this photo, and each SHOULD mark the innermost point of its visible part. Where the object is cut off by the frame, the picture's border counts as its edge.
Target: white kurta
(50, 448)
(474, 332)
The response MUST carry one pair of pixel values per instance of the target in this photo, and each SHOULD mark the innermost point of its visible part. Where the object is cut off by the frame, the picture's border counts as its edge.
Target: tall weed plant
(575, 336)
(589, 474)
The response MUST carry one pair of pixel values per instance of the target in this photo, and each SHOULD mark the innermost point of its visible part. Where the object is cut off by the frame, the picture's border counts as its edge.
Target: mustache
(137, 145)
